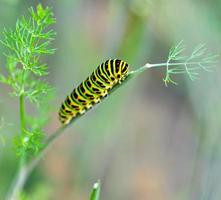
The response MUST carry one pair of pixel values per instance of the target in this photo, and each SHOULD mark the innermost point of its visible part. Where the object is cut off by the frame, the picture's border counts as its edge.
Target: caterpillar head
(124, 69)
(120, 68)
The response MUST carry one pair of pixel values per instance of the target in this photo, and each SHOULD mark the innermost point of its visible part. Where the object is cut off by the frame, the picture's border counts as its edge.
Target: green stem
(21, 176)
(176, 64)
(22, 113)
(131, 75)
(18, 182)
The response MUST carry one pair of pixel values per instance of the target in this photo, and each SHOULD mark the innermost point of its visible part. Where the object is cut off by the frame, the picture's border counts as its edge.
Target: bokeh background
(144, 142)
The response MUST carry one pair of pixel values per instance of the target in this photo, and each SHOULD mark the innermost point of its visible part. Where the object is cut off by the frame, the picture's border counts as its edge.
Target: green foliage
(95, 194)
(29, 143)
(26, 44)
(39, 191)
(178, 63)
(22, 196)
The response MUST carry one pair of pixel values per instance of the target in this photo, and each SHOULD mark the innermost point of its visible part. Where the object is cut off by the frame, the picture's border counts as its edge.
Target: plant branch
(132, 74)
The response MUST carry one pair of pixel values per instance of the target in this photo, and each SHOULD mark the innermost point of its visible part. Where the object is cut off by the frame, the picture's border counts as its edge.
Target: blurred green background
(146, 141)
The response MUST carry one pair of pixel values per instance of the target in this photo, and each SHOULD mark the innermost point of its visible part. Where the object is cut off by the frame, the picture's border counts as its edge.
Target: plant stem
(22, 113)
(18, 182)
(21, 176)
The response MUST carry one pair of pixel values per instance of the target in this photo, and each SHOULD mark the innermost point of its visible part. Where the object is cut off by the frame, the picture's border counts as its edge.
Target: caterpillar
(91, 91)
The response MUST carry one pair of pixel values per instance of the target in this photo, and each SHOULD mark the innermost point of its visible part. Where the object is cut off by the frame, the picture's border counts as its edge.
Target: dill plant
(25, 74)
(25, 45)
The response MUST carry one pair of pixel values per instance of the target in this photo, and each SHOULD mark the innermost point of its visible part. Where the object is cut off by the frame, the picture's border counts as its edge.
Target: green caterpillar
(93, 89)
